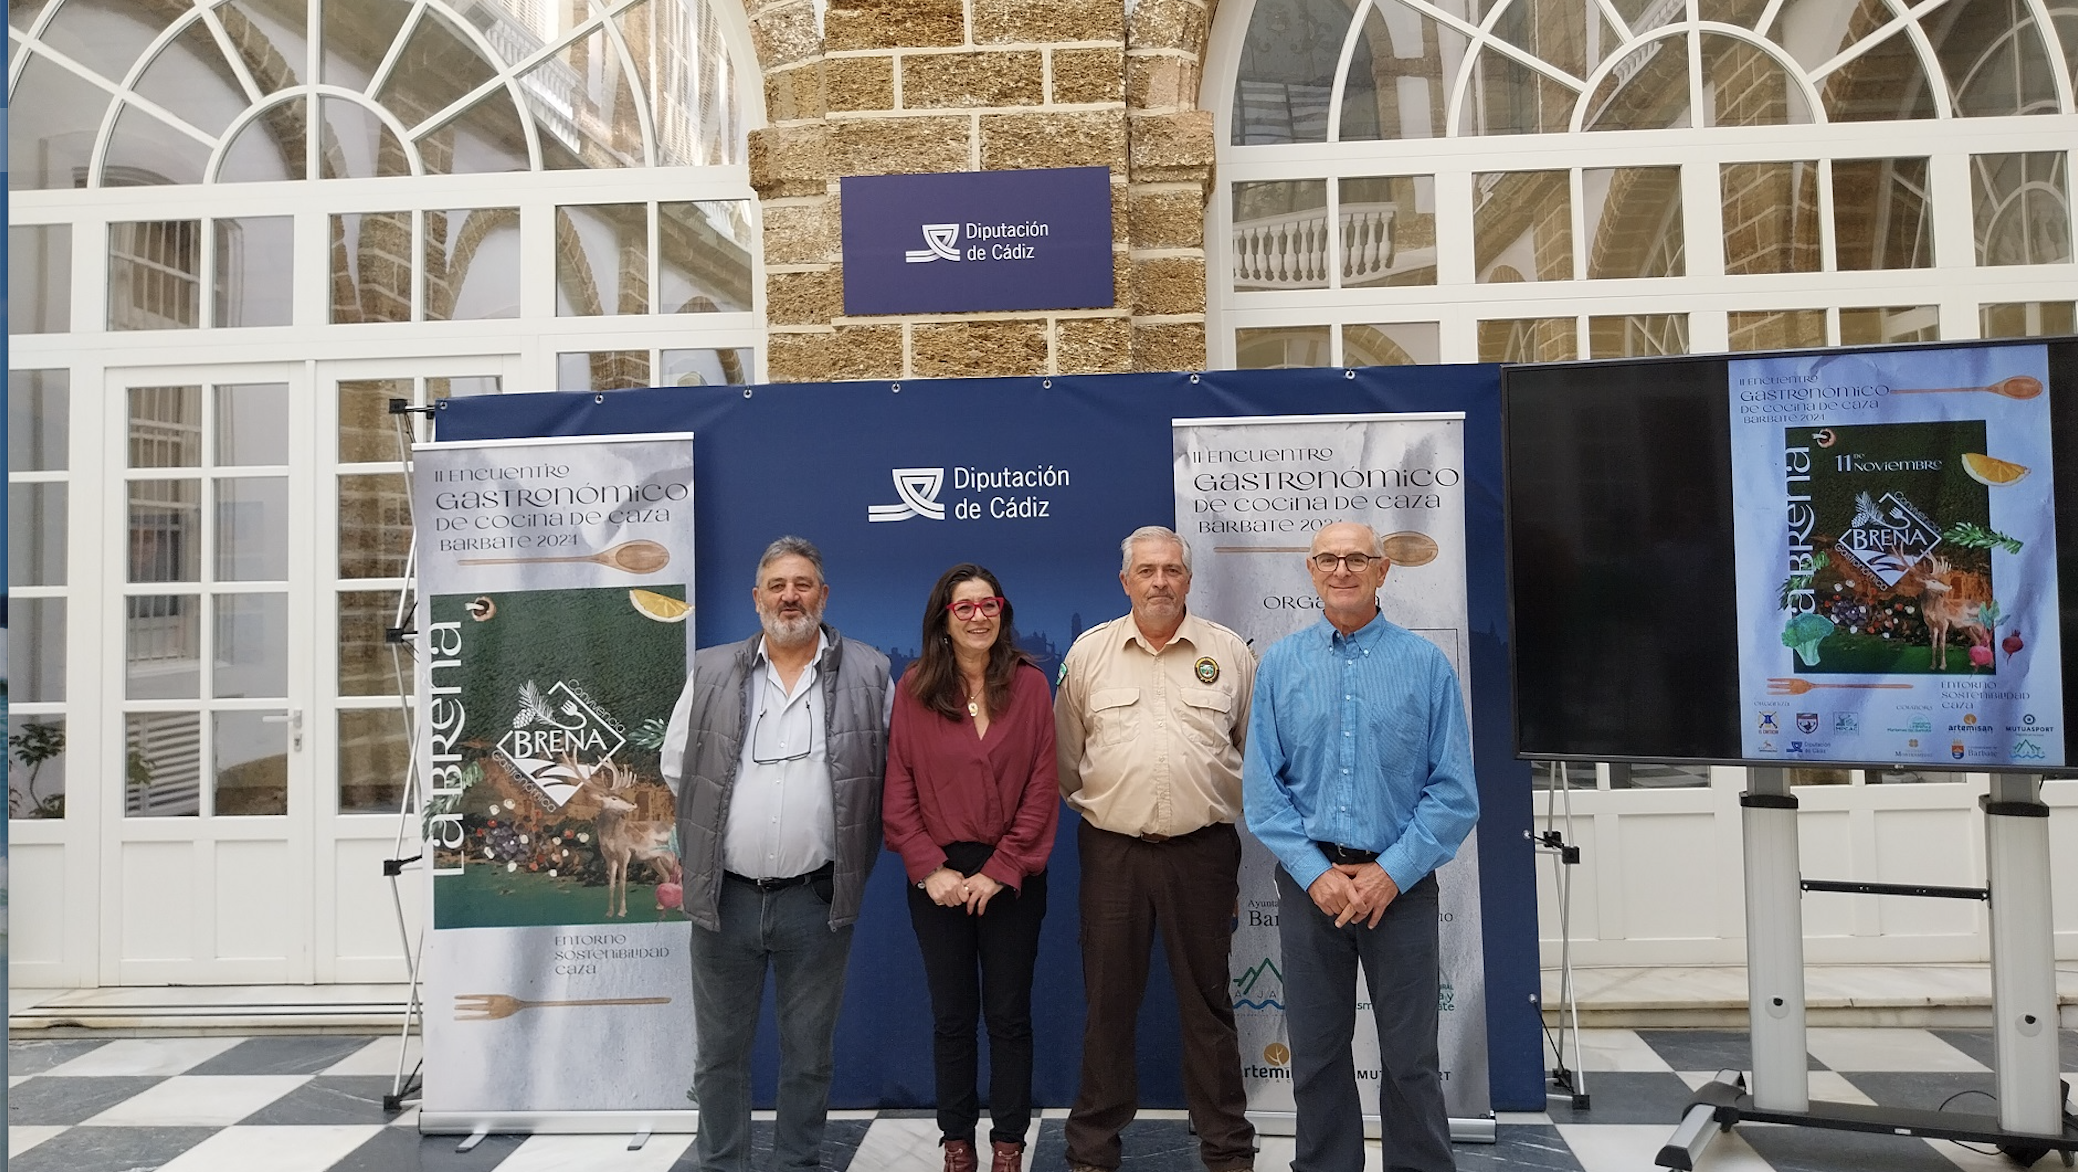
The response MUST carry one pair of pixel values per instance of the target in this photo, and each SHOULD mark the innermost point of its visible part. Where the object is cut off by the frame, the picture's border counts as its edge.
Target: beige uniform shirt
(1149, 743)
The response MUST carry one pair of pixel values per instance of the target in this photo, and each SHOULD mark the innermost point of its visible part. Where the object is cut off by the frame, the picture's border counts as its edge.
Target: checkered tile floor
(314, 1104)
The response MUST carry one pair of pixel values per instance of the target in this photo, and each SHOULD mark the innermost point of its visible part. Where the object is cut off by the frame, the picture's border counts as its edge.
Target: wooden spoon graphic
(634, 557)
(2020, 386)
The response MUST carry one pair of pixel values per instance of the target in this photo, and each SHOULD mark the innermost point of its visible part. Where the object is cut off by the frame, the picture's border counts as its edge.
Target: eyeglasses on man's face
(966, 608)
(1327, 563)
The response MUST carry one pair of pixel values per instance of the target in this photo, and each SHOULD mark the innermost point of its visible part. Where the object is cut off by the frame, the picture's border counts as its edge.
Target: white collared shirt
(782, 815)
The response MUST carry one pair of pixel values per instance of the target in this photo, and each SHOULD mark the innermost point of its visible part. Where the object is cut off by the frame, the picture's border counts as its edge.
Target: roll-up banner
(556, 624)
(1250, 493)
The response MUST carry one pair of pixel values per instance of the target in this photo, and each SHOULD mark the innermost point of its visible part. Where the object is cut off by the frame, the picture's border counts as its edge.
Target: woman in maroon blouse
(972, 803)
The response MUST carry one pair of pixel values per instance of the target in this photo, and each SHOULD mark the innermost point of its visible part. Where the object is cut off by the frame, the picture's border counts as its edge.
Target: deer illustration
(623, 840)
(1951, 601)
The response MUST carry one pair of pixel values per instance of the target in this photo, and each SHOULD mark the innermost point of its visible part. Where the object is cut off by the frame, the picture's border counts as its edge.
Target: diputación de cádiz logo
(918, 488)
(942, 243)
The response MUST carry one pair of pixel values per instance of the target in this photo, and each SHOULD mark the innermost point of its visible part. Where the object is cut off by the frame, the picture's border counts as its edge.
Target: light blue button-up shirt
(1359, 740)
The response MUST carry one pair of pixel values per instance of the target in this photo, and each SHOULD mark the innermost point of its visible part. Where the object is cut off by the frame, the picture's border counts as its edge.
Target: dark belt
(1346, 855)
(771, 885)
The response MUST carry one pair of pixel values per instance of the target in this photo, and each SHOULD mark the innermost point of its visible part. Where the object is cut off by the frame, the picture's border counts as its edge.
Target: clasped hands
(949, 888)
(1349, 892)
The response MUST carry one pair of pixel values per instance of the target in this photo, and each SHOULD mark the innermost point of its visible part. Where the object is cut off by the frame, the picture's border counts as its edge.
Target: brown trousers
(1186, 887)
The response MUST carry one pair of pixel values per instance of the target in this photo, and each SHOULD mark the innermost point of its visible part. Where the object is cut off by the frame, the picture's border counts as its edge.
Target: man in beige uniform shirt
(1150, 717)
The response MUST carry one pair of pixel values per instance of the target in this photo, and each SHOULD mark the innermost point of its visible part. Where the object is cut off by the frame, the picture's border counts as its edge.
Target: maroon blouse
(944, 784)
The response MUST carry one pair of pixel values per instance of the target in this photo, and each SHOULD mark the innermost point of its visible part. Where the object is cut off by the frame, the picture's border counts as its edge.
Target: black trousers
(981, 967)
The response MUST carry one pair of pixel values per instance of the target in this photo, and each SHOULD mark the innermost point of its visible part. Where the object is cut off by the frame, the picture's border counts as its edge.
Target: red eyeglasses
(966, 608)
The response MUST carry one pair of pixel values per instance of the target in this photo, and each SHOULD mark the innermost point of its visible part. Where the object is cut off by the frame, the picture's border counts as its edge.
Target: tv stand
(2031, 1120)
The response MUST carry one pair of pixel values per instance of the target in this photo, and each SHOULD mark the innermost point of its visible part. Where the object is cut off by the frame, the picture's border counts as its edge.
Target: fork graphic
(494, 1006)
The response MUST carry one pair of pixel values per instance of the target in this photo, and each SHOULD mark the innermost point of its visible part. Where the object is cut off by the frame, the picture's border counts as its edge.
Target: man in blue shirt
(1358, 778)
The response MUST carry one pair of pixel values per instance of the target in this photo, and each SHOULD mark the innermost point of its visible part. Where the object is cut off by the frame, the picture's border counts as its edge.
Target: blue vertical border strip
(810, 458)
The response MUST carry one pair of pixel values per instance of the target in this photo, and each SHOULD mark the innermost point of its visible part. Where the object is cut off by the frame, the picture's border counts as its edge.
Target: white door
(208, 801)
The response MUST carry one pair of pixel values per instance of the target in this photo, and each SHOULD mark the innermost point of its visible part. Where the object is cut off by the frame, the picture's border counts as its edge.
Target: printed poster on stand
(555, 612)
(1896, 558)
(1250, 494)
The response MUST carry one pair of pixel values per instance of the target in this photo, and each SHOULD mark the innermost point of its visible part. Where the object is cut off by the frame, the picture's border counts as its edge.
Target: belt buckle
(1155, 838)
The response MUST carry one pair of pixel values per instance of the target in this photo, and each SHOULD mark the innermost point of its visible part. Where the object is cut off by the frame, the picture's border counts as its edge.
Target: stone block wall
(911, 86)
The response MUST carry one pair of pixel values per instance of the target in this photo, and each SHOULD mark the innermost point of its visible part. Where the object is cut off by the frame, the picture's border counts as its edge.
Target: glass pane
(165, 530)
(39, 420)
(1415, 343)
(1743, 86)
(374, 754)
(162, 636)
(374, 525)
(35, 766)
(162, 770)
(51, 127)
(589, 122)
(22, 14)
(1281, 234)
(1877, 327)
(165, 427)
(2027, 319)
(356, 144)
(371, 267)
(275, 28)
(1638, 335)
(250, 759)
(252, 529)
(1907, 777)
(1567, 33)
(36, 651)
(461, 387)
(485, 138)
(1993, 55)
(1884, 84)
(1522, 227)
(2023, 208)
(1399, 79)
(1287, 70)
(252, 424)
(191, 79)
(255, 270)
(107, 37)
(155, 275)
(1802, 776)
(602, 260)
(682, 63)
(357, 36)
(472, 264)
(1655, 776)
(252, 632)
(35, 535)
(703, 256)
(1278, 348)
(1646, 91)
(436, 69)
(602, 370)
(1776, 329)
(1770, 218)
(2065, 21)
(703, 368)
(1633, 220)
(367, 665)
(1388, 228)
(145, 152)
(1509, 97)
(270, 148)
(39, 278)
(367, 431)
(1881, 215)
(1529, 339)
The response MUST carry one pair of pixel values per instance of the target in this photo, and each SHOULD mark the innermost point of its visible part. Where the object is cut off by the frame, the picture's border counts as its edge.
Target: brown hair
(934, 679)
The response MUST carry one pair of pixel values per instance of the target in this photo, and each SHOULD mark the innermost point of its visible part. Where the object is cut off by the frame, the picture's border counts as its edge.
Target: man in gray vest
(775, 751)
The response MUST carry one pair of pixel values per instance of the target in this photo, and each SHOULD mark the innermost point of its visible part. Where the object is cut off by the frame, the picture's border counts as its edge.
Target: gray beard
(791, 632)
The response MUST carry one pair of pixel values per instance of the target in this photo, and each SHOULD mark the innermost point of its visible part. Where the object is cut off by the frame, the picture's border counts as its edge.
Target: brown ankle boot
(959, 1156)
(1009, 1157)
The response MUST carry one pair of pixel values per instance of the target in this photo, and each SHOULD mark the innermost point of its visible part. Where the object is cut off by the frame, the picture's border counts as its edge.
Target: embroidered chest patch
(1207, 669)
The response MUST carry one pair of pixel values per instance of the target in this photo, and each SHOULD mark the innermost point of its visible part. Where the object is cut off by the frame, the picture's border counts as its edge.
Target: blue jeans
(789, 931)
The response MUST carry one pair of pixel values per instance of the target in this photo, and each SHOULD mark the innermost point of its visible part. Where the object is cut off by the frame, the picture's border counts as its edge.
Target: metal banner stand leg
(2031, 1121)
(1565, 856)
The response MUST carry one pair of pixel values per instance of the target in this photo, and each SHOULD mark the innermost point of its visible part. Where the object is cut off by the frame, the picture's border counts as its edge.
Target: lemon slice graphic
(661, 607)
(1992, 471)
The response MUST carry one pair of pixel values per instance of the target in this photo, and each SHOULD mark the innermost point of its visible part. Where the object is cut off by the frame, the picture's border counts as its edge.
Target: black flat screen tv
(1863, 557)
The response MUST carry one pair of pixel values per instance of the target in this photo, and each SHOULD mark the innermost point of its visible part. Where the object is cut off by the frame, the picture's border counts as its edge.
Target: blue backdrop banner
(978, 240)
(1039, 479)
